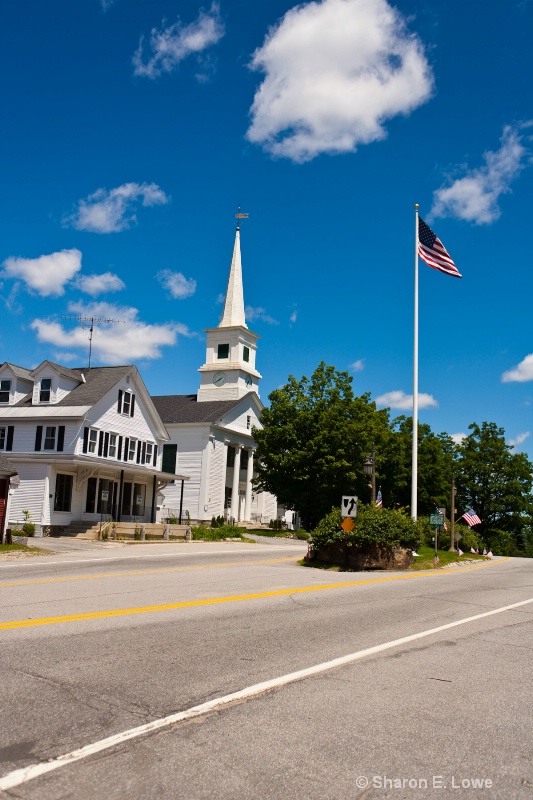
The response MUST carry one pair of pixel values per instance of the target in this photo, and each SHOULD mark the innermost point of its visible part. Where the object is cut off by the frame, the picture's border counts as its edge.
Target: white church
(211, 438)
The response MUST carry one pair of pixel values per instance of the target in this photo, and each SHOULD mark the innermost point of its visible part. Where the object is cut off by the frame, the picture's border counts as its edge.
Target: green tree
(314, 440)
(495, 482)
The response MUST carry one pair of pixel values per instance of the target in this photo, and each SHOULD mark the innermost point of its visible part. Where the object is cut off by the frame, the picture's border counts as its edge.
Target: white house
(87, 444)
(211, 432)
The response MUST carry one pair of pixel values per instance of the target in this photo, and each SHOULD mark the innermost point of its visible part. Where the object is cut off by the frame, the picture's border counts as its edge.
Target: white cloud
(99, 284)
(458, 437)
(335, 70)
(175, 42)
(521, 373)
(252, 314)
(113, 211)
(47, 275)
(177, 284)
(357, 366)
(293, 317)
(520, 439)
(400, 399)
(124, 340)
(106, 4)
(475, 196)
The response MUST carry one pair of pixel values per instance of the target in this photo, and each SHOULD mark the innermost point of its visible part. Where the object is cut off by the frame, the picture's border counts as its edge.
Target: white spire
(234, 302)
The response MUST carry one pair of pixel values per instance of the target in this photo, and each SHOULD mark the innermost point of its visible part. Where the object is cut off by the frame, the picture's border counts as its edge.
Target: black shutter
(139, 452)
(38, 437)
(126, 448)
(170, 452)
(119, 404)
(9, 443)
(100, 442)
(143, 455)
(132, 410)
(119, 452)
(85, 439)
(155, 455)
(60, 438)
(106, 444)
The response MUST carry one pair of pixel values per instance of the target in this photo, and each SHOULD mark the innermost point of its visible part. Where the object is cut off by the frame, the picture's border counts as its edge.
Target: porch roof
(71, 460)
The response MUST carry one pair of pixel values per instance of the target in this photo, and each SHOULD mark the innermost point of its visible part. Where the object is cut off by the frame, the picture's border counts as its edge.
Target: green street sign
(436, 520)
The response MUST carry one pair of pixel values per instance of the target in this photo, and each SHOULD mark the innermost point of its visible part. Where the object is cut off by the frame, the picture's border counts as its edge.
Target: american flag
(432, 251)
(379, 499)
(471, 518)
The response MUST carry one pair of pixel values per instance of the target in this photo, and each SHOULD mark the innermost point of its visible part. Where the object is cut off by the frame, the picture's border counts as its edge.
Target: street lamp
(369, 468)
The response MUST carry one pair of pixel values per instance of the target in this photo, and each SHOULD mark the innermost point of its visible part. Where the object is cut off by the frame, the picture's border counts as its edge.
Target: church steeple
(234, 302)
(229, 371)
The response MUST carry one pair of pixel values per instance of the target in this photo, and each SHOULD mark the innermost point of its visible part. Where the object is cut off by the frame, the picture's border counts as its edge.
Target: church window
(248, 422)
(227, 497)
(246, 353)
(223, 351)
(244, 459)
(231, 456)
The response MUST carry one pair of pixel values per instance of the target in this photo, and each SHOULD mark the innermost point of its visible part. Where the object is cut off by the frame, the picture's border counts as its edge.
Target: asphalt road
(101, 640)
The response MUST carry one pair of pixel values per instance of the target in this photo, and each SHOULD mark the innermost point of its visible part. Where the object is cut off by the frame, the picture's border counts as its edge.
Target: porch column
(224, 475)
(248, 495)
(235, 487)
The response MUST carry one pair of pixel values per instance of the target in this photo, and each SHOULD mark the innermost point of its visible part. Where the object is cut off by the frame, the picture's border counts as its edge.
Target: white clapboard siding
(32, 493)
(24, 434)
(216, 480)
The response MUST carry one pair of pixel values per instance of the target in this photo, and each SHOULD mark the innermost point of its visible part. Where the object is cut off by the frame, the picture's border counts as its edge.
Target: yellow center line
(123, 612)
(145, 572)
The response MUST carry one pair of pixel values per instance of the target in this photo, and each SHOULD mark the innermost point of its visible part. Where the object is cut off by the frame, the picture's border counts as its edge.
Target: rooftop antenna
(90, 322)
(240, 215)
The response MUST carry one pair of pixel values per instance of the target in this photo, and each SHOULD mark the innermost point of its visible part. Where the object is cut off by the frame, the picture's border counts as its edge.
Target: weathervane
(240, 215)
(94, 321)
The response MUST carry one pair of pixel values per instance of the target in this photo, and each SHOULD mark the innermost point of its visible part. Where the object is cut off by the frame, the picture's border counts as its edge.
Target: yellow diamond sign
(348, 524)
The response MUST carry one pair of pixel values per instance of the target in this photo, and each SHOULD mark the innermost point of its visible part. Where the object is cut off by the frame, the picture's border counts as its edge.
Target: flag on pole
(432, 251)
(379, 499)
(471, 518)
(436, 560)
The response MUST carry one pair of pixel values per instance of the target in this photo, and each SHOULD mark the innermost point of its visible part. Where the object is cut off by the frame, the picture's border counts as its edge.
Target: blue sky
(133, 129)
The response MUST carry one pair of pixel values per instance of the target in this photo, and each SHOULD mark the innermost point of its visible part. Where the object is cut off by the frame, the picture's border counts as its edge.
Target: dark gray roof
(6, 467)
(186, 408)
(98, 381)
(20, 372)
(61, 370)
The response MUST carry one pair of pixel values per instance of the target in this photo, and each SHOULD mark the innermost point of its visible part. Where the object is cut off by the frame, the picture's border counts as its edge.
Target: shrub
(172, 520)
(203, 533)
(469, 538)
(28, 529)
(372, 525)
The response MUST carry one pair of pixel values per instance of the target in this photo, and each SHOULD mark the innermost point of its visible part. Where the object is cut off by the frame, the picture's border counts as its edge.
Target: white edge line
(19, 776)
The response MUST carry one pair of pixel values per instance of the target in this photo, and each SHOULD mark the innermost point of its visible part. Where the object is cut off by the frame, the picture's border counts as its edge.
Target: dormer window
(46, 390)
(5, 390)
(223, 351)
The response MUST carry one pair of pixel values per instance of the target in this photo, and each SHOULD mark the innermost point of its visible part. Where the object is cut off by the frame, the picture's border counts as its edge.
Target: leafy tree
(495, 482)
(314, 440)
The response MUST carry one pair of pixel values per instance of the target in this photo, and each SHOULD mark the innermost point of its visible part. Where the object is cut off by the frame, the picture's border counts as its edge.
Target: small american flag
(432, 251)
(471, 518)
(379, 499)
(437, 559)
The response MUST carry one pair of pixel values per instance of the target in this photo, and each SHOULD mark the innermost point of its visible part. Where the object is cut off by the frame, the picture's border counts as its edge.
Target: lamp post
(369, 468)
(452, 516)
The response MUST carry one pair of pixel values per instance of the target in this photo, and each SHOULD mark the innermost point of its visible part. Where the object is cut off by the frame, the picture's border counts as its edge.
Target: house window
(5, 389)
(223, 351)
(245, 353)
(93, 440)
(170, 454)
(126, 403)
(50, 439)
(149, 453)
(3, 434)
(132, 450)
(63, 495)
(113, 441)
(46, 390)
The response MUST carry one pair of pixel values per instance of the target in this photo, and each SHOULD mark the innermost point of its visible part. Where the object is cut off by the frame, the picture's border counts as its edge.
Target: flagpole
(414, 475)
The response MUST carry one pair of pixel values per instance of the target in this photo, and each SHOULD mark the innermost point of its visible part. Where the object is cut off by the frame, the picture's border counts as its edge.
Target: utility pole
(452, 516)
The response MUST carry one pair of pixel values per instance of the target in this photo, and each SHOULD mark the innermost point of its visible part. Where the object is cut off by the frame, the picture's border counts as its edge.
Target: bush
(372, 525)
(503, 543)
(28, 529)
(172, 520)
(203, 533)
(469, 538)
(217, 522)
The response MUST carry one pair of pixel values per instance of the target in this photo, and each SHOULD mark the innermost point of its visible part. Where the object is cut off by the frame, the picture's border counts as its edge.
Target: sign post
(436, 520)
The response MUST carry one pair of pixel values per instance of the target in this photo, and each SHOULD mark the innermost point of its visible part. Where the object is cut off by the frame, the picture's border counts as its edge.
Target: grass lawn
(21, 548)
(426, 558)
